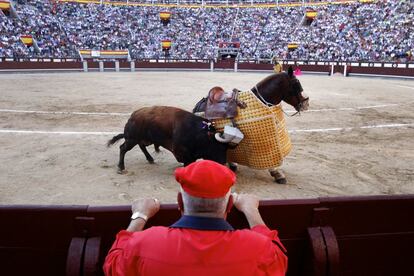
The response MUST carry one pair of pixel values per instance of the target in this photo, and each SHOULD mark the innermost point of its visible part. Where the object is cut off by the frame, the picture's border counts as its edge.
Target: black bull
(187, 136)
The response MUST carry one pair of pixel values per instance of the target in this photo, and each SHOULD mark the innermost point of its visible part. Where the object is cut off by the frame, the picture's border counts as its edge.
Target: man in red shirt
(201, 242)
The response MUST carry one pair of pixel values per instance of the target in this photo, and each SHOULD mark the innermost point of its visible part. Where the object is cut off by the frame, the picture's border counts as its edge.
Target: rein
(261, 97)
(296, 113)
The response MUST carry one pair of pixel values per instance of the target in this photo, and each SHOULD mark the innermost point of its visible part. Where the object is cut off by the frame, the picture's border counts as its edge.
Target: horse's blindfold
(296, 87)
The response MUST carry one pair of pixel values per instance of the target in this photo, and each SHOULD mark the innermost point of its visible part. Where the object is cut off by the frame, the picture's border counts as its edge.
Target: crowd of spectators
(383, 30)
(38, 19)
(216, 2)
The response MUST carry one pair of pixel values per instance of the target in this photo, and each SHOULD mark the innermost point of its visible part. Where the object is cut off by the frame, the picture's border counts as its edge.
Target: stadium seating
(380, 31)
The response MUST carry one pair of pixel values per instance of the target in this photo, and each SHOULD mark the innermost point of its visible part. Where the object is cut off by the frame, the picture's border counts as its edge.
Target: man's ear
(180, 202)
(229, 204)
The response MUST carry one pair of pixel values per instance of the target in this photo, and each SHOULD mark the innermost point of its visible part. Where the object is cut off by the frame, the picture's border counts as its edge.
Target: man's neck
(197, 222)
(205, 215)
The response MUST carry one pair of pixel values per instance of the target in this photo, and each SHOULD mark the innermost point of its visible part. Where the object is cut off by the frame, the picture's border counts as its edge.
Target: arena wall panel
(124, 65)
(324, 236)
(254, 66)
(93, 65)
(109, 65)
(34, 240)
(324, 67)
(313, 68)
(408, 72)
(27, 65)
(176, 65)
(373, 233)
(224, 64)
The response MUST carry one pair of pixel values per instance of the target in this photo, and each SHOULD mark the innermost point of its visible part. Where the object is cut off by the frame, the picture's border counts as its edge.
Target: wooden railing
(346, 68)
(323, 236)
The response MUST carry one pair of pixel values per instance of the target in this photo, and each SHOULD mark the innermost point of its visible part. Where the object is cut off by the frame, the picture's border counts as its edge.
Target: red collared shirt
(185, 251)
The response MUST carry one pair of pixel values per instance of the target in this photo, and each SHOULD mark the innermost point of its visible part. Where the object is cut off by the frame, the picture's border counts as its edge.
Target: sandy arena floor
(356, 139)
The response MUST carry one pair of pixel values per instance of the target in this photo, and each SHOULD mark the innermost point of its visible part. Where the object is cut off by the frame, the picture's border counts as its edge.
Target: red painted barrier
(367, 68)
(408, 72)
(171, 65)
(325, 236)
(27, 65)
(34, 240)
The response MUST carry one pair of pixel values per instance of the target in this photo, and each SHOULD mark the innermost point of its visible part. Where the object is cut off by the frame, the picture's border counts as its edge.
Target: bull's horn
(222, 140)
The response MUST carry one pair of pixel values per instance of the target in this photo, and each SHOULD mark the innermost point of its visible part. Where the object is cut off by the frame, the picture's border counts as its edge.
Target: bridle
(296, 92)
(292, 92)
(257, 93)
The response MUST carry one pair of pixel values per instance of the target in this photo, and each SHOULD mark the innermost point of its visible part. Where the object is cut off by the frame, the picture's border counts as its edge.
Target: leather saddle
(221, 104)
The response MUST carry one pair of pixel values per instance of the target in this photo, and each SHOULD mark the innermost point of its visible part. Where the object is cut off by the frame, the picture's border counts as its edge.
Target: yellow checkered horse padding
(266, 140)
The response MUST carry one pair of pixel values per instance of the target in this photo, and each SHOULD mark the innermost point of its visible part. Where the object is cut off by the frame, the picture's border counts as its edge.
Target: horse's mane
(270, 79)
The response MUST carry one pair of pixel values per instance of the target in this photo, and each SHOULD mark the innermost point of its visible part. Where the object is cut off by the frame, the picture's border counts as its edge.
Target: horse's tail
(115, 139)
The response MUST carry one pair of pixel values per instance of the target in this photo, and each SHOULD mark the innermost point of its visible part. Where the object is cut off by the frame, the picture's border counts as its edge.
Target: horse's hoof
(151, 161)
(119, 171)
(281, 180)
(279, 176)
(233, 167)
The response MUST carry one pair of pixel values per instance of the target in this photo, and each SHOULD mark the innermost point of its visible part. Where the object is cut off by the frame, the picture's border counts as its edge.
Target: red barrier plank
(74, 259)
(37, 237)
(91, 265)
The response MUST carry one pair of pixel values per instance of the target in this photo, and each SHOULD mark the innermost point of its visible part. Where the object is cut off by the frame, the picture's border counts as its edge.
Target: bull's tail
(115, 139)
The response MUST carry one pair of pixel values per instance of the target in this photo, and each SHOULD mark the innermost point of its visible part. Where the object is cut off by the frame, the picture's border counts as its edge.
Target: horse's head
(282, 87)
(294, 95)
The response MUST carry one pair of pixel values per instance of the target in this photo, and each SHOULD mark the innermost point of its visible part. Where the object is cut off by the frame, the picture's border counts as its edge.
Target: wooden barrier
(224, 64)
(383, 71)
(172, 65)
(44, 65)
(375, 236)
(325, 236)
(34, 240)
(322, 67)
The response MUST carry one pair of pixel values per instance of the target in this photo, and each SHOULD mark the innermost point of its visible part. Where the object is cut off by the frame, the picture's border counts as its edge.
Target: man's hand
(245, 202)
(249, 206)
(146, 206)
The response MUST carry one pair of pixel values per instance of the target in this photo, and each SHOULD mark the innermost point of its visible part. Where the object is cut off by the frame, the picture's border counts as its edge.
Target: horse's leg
(147, 155)
(232, 166)
(123, 149)
(188, 161)
(278, 175)
(157, 147)
(186, 158)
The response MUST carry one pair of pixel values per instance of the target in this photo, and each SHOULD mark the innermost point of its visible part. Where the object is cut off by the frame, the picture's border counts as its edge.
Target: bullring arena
(356, 138)
(72, 72)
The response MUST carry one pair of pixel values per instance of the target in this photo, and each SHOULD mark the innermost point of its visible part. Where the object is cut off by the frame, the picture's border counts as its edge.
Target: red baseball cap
(206, 179)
